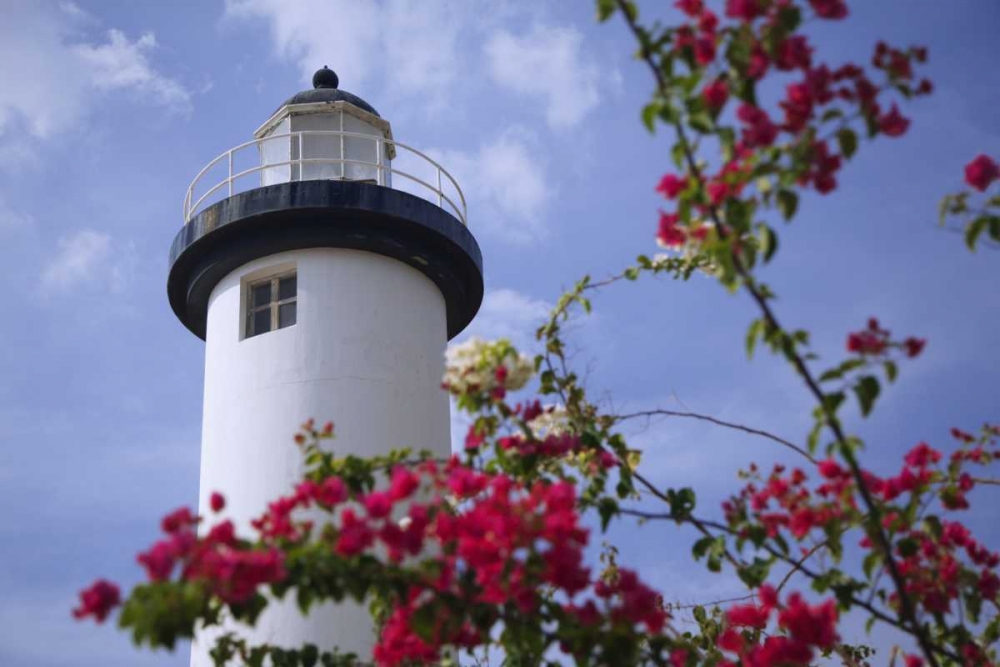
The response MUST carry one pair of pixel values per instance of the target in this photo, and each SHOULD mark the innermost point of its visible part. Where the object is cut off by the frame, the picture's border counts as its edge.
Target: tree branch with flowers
(485, 551)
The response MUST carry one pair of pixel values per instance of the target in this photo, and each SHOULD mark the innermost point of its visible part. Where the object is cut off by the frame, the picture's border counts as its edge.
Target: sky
(109, 108)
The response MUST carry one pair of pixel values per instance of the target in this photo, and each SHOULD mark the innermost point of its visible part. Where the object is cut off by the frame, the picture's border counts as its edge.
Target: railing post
(440, 193)
(300, 164)
(343, 165)
(378, 161)
(230, 172)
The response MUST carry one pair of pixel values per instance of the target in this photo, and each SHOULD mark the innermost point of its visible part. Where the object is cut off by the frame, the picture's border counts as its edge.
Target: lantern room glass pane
(362, 149)
(319, 146)
(276, 149)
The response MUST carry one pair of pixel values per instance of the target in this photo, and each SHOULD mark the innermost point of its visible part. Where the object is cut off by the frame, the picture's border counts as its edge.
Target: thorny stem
(875, 526)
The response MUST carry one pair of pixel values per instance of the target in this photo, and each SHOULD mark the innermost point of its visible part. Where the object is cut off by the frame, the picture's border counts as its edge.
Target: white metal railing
(383, 170)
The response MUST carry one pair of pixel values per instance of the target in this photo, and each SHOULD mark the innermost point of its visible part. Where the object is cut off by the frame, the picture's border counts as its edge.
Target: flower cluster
(982, 172)
(492, 368)
(231, 569)
(505, 545)
(786, 502)
(981, 216)
(98, 600)
(804, 142)
(806, 627)
(875, 341)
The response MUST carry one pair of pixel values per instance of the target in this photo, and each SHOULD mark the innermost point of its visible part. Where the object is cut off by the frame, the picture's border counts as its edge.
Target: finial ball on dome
(325, 78)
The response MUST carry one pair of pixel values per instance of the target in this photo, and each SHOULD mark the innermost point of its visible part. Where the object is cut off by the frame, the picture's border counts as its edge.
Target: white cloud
(509, 314)
(87, 258)
(412, 44)
(547, 64)
(54, 76)
(120, 64)
(12, 221)
(505, 183)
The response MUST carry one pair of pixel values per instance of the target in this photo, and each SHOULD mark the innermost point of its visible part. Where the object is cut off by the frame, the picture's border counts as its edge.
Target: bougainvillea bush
(484, 553)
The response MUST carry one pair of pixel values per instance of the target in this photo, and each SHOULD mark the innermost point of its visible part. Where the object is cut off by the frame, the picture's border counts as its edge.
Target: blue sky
(108, 109)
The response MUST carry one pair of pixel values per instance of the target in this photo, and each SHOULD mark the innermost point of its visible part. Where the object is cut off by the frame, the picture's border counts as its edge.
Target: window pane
(286, 288)
(261, 322)
(286, 315)
(262, 294)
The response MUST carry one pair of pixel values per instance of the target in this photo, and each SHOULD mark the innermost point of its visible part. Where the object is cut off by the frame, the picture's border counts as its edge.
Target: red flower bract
(758, 130)
(690, 7)
(669, 234)
(715, 94)
(98, 600)
(748, 615)
(670, 186)
(217, 502)
(981, 172)
(829, 9)
(811, 624)
(893, 124)
(746, 10)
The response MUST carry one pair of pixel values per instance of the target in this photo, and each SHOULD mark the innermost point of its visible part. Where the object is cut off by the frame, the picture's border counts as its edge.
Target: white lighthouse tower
(326, 266)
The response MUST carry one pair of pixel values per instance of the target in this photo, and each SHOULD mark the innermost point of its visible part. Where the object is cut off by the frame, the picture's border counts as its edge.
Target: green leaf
(867, 390)
(677, 154)
(605, 9)
(891, 372)
(753, 334)
(649, 114)
(943, 208)
(607, 508)
(701, 122)
(727, 142)
(907, 547)
(763, 185)
(682, 501)
(974, 229)
(768, 242)
(309, 655)
(789, 19)
(833, 401)
(830, 114)
(788, 203)
(848, 141)
(755, 575)
(869, 563)
(738, 213)
(701, 547)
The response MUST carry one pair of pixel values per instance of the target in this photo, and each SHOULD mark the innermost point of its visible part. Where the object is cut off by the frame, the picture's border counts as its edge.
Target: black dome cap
(325, 82)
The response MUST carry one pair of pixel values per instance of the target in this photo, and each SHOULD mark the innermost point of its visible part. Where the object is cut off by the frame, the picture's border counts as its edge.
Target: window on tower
(271, 303)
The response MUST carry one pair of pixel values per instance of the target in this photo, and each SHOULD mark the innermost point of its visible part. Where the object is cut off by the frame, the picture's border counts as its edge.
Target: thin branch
(713, 603)
(718, 422)
(797, 565)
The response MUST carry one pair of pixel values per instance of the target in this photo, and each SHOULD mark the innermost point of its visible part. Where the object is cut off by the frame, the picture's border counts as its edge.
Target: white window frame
(274, 305)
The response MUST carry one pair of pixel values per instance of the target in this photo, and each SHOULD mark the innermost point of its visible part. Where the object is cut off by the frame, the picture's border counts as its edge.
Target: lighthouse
(325, 265)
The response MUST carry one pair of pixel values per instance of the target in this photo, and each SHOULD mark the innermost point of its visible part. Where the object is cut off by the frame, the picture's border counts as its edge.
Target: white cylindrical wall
(367, 352)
